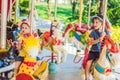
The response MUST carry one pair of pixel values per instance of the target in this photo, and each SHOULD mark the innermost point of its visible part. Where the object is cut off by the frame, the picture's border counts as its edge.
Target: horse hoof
(116, 79)
(58, 62)
(63, 60)
(36, 75)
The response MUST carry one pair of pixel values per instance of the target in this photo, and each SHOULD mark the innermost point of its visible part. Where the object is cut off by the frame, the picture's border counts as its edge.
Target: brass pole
(80, 12)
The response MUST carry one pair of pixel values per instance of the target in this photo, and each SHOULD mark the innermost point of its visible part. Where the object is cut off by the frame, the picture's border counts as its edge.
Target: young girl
(96, 37)
(25, 30)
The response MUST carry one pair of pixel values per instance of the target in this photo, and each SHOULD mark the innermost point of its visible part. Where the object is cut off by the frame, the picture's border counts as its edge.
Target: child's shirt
(95, 34)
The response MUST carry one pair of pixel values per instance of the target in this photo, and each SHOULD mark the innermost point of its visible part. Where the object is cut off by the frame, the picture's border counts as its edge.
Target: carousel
(45, 56)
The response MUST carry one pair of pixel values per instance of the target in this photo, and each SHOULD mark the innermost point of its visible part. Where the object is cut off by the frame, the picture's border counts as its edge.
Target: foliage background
(64, 11)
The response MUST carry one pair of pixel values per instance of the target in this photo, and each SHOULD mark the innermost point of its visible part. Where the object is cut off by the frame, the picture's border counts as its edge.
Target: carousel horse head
(32, 46)
(12, 50)
(82, 29)
(11, 26)
(113, 51)
(39, 32)
(76, 27)
(55, 25)
(102, 67)
(68, 27)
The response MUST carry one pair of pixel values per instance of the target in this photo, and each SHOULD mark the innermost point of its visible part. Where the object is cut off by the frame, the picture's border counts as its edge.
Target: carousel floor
(66, 71)
(64, 76)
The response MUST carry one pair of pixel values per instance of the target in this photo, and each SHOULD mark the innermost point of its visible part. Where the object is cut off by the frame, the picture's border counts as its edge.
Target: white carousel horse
(57, 33)
(114, 55)
(8, 64)
(114, 58)
(102, 69)
(9, 60)
(7, 68)
(56, 41)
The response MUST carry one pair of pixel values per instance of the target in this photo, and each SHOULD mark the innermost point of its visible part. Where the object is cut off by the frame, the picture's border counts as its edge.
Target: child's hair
(99, 17)
(24, 21)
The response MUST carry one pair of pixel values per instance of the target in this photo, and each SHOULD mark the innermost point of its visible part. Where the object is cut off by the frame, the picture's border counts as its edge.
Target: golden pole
(89, 14)
(80, 13)
(104, 13)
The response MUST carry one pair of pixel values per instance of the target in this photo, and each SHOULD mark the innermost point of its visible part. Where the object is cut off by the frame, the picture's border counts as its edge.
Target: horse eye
(110, 54)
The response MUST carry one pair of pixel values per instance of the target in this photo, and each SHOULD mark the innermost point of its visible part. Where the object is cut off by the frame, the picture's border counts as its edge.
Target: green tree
(49, 8)
(24, 6)
(74, 3)
(113, 11)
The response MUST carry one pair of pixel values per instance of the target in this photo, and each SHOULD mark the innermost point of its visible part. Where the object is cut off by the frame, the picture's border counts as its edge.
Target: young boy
(96, 37)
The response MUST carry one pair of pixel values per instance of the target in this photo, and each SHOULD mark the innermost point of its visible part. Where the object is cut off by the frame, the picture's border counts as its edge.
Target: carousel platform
(67, 70)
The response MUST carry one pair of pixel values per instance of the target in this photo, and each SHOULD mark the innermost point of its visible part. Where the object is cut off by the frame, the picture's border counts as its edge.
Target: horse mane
(82, 29)
(39, 32)
(109, 42)
(70, 25)
(11, 26)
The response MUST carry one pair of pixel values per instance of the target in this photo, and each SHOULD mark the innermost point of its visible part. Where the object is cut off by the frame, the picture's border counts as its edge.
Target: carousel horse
(77, 35)
(114, 57)
(54, 38)
(11, 27)
(102, 67)
(7, 66)
(31, 68)
(9, 36)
